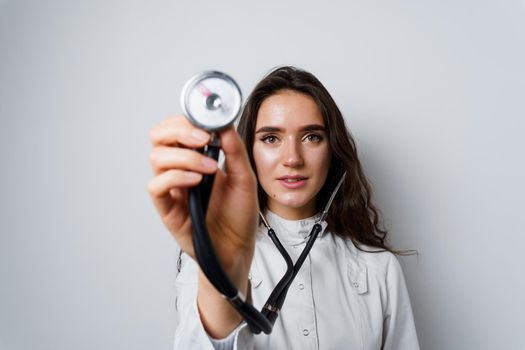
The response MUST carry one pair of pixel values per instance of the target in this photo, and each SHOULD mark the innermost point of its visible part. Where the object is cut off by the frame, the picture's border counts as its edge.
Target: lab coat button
(301, 286)
(305, 332)
(356, 284)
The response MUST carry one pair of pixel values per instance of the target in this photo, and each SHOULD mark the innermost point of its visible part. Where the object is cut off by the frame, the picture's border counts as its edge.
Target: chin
(293, 200)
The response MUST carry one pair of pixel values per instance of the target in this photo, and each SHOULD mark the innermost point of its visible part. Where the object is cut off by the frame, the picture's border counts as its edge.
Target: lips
(293, 181)
(292, 177)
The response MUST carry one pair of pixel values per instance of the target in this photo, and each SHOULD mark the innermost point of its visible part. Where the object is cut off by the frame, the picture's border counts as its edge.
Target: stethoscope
(212, 100)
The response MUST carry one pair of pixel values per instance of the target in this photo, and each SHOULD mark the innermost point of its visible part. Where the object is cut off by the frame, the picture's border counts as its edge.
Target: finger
(237, 162)
(169, 120)
(161, 185)
(178, 130)
(163, 158)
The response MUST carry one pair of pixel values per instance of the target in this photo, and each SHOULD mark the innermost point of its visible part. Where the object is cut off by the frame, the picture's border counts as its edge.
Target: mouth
(293, 182)
(292, 178)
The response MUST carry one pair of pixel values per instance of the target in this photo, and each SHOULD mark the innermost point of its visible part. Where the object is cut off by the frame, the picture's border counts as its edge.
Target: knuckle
(153, 157)
(151, 188)
(153, 135)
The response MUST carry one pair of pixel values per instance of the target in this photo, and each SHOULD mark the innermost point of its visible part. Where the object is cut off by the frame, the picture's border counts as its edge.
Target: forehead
(289, 110)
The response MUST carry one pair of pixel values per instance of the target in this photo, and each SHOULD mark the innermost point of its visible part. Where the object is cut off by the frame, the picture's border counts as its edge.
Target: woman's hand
(232, 215)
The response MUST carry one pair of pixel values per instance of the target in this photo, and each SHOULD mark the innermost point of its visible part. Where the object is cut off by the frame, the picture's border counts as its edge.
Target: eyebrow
(310, 127)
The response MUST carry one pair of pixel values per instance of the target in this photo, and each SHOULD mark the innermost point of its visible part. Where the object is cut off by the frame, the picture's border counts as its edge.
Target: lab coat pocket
(366, 305)
(357, 273)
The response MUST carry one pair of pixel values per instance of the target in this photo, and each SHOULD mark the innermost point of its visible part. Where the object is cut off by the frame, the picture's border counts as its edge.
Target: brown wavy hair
(352, 214)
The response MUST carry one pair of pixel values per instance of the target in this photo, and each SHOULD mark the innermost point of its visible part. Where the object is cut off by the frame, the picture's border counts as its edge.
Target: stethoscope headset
(212, 100)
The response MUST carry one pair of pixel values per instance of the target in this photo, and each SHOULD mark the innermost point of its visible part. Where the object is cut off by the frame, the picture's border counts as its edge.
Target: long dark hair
(352, 214)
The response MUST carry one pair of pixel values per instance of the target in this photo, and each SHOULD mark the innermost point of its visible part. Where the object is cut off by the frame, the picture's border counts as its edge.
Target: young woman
(291, 150)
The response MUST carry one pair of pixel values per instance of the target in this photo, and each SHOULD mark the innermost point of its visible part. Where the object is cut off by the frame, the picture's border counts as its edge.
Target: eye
(269, 139)
(314, 138)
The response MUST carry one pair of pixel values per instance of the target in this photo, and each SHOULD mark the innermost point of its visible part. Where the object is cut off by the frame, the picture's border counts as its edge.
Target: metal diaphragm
(211, 100)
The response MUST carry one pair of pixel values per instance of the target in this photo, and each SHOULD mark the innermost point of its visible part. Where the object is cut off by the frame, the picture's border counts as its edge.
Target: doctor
(291, 150)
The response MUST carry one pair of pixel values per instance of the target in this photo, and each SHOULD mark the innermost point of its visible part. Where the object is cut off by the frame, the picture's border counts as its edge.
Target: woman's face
(291, 152)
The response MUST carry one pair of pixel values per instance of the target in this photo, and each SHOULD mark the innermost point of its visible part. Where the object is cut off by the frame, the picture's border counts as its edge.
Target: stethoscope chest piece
(211, 100)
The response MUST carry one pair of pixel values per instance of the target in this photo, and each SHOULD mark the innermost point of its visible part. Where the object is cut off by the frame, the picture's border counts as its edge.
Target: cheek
(327, 160)
(265, 160)
(321, 158)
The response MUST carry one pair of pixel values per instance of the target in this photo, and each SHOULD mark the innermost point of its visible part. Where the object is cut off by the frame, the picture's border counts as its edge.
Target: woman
(350, 292)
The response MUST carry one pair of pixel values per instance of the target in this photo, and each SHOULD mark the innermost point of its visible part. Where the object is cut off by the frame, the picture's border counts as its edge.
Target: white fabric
(342, 298)
(228, 342)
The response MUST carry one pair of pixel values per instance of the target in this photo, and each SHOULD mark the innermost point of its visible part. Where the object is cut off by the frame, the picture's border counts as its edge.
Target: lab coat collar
(293, 232)
(352, 258)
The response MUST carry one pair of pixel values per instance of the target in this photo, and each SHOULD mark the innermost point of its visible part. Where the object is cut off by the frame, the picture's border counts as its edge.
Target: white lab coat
(342, 298)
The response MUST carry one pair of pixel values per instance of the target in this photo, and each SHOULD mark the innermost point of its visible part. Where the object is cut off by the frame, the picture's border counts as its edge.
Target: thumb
(237, 162)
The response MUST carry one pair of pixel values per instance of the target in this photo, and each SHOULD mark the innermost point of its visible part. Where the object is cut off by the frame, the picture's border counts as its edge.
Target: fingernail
(209, 163)
(200, 135)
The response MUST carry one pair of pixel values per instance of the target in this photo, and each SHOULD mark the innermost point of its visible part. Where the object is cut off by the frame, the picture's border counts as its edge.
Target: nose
(292, 154)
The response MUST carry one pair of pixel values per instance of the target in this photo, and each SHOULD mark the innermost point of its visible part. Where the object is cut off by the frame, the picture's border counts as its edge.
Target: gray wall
(432, 90)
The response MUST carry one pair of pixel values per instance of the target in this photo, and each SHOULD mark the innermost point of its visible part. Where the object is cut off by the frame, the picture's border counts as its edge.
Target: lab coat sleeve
(225, 343)
(239, 339)
(399, 331)
(190, 332)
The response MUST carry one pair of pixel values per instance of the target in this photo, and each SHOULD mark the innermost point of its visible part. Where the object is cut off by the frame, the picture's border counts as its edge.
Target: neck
(290, 213)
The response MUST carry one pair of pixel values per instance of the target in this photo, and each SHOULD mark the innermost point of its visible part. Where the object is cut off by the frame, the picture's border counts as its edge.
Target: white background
(433, 92)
